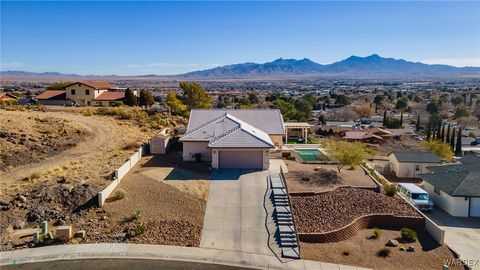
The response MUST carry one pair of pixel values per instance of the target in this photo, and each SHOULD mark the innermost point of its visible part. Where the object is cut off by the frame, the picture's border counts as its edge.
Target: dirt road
(103, 147)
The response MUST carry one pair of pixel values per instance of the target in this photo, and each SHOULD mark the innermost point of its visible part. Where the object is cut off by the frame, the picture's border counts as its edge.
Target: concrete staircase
(286, 235)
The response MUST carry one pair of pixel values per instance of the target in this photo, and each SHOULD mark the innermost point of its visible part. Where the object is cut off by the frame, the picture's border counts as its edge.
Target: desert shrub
(140, 229)
(384, 252)
(409, 235)
(87, 112)
(35, 175)
(377, 233)
(390, 190)
(136, 214)
(120, 194)
(131, 146)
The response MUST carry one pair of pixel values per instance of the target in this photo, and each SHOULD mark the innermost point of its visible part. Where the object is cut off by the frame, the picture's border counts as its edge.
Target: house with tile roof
(233, 139)
(455, 187)
(94, 93)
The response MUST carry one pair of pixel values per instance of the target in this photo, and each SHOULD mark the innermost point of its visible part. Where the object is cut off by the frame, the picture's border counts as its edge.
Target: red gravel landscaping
(332, 210)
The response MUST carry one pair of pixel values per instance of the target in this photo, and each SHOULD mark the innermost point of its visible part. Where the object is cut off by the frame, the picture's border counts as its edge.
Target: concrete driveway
(235, 216)
(461, 234)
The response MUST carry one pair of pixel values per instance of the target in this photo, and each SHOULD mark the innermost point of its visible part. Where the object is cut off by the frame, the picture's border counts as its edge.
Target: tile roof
(7, 96)
(419, 157)
(229, 131)
(269, 121)
(111, 95)
(52, 94)
(95, 84)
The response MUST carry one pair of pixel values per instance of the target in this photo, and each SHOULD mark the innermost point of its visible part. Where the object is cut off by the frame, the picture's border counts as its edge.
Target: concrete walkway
(171, 257)
(461, 234)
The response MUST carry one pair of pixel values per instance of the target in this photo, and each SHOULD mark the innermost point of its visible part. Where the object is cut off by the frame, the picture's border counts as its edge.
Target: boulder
(19, 225)
(411, 249)
(392, 243)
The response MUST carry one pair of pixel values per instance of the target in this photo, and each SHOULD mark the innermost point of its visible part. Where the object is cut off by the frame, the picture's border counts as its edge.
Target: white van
(416, 196)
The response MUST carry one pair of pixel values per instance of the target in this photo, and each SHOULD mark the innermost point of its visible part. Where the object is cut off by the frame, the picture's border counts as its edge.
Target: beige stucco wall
(191, 148)
(215, 155)
(159, 144)
(407, 170)
(277, 140)
(81, 94)
(455, 206)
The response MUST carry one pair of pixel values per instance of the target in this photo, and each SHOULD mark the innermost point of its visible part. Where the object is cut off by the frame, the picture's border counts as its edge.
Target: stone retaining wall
(364, 222)
(311, 193)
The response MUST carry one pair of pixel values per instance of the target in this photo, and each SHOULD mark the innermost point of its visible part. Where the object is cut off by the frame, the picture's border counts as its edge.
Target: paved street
(461, 234)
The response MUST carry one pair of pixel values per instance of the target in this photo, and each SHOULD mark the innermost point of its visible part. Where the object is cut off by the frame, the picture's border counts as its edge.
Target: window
(87, 92)
(436, 190)
(73, 91)
(417, 168)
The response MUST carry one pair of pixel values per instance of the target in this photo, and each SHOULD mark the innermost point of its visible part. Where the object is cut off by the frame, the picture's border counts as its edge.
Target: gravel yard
(324, 179)
(362, 251)
(334, 209)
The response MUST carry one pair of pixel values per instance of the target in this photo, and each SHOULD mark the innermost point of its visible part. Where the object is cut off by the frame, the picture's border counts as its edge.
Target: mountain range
(373, 66)
(354, 66)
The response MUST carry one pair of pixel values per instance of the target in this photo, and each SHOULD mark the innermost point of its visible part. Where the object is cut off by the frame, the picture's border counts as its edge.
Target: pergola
(304, 127)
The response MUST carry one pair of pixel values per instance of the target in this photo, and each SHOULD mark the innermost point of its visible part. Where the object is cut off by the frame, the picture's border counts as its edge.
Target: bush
(136, 214)
(140, 229)
(384, 252)
(377, 233)
(87, 112)
(120, 194)
(390, 190)
(132, 146)
(409, 235)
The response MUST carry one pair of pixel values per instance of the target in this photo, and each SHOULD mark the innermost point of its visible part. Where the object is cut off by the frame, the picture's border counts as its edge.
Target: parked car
(476, 142)
(416, 196)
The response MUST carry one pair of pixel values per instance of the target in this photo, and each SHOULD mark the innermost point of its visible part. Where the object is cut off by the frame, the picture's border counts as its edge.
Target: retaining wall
(119, 174)
(364, 222)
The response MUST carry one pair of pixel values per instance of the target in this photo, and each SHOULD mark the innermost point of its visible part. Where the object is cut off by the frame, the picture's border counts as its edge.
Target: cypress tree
(439, 127)
(384, 118)
(429, 131)
(401, 120)
(417, 126)
(130, 98)
(452, 140)
(458, 147)
(442, 134)
(447, 135)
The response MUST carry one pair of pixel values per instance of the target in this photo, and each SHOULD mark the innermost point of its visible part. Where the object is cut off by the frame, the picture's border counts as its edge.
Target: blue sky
(129, 38)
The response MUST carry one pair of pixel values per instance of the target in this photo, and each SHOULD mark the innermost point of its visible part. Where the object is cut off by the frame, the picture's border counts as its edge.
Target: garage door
(474, 207)
(241, 160)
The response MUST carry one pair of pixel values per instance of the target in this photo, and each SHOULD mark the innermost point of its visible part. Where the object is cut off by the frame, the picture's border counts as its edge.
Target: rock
(22, 198)
(317, 168)
(411, 249)
(64, 232)
(80, 234)
(392, 243)
(19, 225)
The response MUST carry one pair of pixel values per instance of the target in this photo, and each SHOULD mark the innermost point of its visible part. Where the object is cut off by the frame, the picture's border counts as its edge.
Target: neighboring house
(86, 93)
(371, 135)
(455, 188)
(52, 97)
(233, 139)
(7, 96)
(411, 164)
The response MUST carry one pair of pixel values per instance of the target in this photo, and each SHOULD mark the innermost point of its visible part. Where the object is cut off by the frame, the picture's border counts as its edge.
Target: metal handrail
(282, 174)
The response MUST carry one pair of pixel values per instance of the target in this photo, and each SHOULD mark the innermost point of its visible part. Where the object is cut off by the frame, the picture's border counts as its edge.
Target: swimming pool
(311, 154)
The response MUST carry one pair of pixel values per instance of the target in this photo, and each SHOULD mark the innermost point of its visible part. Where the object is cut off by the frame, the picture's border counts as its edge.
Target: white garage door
(241, 160)
(474, 207)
